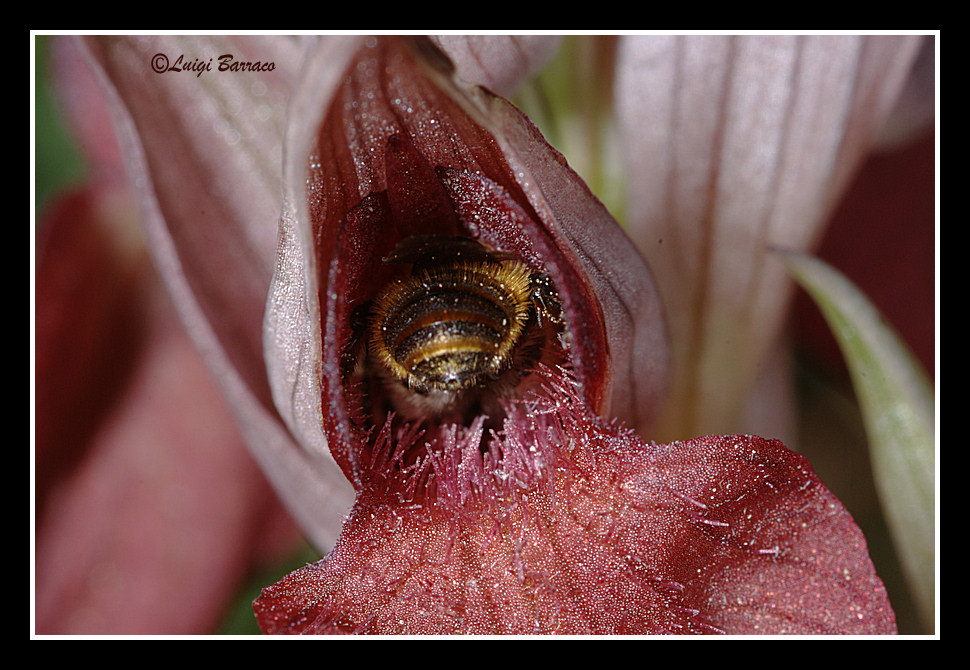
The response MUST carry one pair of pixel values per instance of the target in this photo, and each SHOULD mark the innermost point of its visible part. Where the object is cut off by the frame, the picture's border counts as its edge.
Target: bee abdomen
(449, 327)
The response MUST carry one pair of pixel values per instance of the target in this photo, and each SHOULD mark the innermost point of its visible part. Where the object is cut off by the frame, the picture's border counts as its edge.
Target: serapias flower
(521, 512)
(530, 504)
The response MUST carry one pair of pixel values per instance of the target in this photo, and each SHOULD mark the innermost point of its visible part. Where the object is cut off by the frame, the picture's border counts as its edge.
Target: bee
(462, 323)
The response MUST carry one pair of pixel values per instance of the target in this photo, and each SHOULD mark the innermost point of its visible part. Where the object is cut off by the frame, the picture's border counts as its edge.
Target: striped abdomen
(450, 327)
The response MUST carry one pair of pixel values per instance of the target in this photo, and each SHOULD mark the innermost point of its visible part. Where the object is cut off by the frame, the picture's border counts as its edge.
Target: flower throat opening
(444, 328)
(450, 341)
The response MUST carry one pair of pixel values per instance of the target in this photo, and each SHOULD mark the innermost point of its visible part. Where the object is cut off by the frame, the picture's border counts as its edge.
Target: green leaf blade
(898, 405)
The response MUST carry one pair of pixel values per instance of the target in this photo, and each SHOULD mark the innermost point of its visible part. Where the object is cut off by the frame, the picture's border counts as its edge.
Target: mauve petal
(622, 282)
(292, 319)
(88, 326)
(737, 143)
(915, 110)
(143, 483)
(86, 111)
(156, 529)
(498, 62)
(584, 529)
(205, 152)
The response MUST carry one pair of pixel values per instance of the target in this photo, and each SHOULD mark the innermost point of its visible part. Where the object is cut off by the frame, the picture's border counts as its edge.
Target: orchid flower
(555, 511)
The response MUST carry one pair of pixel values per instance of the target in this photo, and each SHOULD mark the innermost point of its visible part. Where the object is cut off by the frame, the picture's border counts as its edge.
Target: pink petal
(739, 143)
(206, 152)
(498, 62)
(142, 481)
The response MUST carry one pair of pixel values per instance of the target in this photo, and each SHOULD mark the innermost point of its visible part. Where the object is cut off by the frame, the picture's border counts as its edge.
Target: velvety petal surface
(571, 526)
